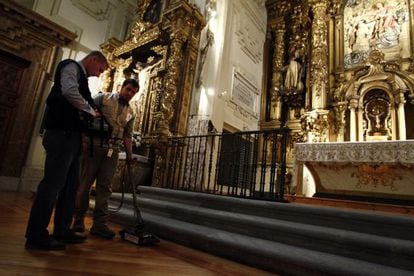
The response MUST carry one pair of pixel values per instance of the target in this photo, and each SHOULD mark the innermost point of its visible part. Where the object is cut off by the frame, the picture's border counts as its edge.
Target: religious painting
(153, 12)
(375, 24)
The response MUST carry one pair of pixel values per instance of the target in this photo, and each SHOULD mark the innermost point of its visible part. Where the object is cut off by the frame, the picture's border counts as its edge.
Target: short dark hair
(99, 55)
(132, 82)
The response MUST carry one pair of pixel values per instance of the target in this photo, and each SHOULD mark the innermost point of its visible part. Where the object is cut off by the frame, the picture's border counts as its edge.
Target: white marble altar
(382, 169)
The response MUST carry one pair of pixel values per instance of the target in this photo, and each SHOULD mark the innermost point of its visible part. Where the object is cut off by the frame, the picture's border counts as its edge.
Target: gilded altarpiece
(339, 71)
(317, 50)
(295, 70)
(371, 92)
(161, 52)
(372, 84)
(375, 24)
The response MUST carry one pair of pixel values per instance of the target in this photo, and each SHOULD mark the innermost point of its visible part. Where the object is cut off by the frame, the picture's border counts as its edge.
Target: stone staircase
(285, 238)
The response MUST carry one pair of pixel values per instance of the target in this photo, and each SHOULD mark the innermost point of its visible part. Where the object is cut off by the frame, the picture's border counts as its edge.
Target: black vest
(60, 114)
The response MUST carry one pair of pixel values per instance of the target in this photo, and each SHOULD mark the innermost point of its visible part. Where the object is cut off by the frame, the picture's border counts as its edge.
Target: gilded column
(167, 101)
(337, 41)
(340, 108)
(277, 62)
(319, 56)
(108, 48)
(190, 75)
(277, 12)
(171, 83)
(400, 100)
(360, 122)
(353, 106)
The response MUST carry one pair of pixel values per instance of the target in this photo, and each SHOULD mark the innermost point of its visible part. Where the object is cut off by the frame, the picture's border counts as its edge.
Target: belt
(108, 142)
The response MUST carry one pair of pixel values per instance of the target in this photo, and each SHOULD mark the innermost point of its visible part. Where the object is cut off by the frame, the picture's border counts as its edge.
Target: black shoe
(78, 226)
(102, 231)
(44, 244)
(147, 239)
(70, 237)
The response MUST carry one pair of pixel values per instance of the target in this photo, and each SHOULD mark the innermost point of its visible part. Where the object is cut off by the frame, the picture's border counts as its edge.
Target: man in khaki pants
(100, 158)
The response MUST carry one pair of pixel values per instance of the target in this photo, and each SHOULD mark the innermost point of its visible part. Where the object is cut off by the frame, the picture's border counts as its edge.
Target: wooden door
(11, 73)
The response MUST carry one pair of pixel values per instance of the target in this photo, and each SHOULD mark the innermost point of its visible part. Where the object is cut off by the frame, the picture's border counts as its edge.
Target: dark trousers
(58, 186)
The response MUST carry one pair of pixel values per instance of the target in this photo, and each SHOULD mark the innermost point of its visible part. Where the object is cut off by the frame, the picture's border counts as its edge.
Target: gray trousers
(101, 168)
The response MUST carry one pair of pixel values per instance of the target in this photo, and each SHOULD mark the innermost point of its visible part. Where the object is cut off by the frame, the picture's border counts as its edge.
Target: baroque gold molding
(139, 37)
(376, 175)
(32, 22)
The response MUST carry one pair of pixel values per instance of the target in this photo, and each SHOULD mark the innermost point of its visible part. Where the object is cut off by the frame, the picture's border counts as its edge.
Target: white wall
(239, 34)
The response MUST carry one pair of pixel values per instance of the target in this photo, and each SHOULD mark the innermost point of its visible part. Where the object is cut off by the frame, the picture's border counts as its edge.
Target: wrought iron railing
(243, 164)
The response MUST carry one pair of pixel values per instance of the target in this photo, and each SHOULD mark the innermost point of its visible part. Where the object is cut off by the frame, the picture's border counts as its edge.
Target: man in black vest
(67, 102)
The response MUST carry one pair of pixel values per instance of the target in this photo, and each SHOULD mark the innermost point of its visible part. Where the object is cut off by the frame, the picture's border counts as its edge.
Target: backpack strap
(102, 121)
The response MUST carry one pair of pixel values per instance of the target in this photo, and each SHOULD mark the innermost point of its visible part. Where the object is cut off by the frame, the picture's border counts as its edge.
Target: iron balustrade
(242, 164)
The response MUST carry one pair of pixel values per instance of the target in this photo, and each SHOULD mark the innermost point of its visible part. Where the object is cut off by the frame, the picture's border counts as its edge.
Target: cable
(137, 234)
(114, 210)
(138, 216)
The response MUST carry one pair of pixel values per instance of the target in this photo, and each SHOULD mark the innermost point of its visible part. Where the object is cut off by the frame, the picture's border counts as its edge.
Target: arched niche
(377, 123)
(409, 115)
(376, 99)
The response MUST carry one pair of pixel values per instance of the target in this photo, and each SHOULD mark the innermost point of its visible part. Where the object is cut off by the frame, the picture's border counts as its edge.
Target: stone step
(361, 221)
(274, 256)
(372, 248)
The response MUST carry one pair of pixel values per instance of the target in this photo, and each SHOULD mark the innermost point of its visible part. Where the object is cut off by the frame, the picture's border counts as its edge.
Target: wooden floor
(98, 256)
